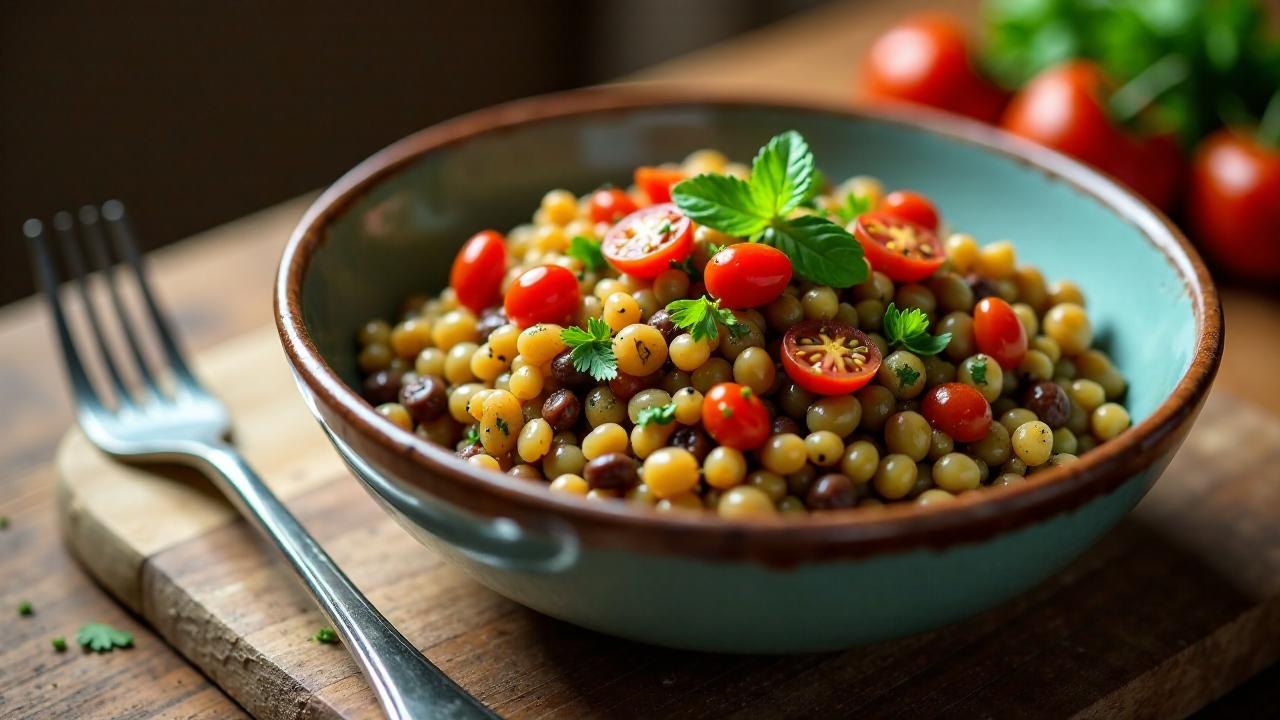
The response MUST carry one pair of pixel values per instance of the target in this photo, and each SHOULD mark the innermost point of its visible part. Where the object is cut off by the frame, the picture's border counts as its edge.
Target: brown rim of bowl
(822, 536)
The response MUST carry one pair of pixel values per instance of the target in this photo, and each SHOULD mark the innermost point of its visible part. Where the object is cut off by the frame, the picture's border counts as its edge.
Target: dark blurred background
(198, 113)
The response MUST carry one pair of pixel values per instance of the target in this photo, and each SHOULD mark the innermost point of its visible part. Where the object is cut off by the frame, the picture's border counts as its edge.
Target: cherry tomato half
(899, 248)
(747, 275)
(1234, 204)
(829, 357)
(648, 240)
(656, 182)
(611, 205)
(735, 417)
(958, 410)
(544, 294)
(911, 206)
(478, 268)
(998, 332)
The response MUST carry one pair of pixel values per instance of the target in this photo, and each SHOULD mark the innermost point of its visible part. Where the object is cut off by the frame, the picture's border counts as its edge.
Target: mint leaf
(586, 251)
(927, 344)
(592, 349)
(820, 250)
(910, 329)
(700, 318)
(782, 174)
(661, 414)
(722, 202)
(100, 637)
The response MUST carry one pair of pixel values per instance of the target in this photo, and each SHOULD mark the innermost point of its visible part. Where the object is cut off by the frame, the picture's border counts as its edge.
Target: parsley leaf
(325, 635)
(910, 329)
(473, 435)
(907, 375)
(978, 371)
(592, 349)
(782, 178)
(24, 608)
(59, 644)
(661, 414)
(101, 638)
(586, 251)
(853, 206)
(700, 318)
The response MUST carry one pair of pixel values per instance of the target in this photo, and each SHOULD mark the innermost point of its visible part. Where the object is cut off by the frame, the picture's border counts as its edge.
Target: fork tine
(64, 226)
(94, 239)
(47, 276)
(118, 225)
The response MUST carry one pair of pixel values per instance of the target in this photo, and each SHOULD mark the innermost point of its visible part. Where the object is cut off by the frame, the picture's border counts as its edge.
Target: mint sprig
(910, 329)
(782, 179)
(586, 251)
(700, 318)
(592, 349)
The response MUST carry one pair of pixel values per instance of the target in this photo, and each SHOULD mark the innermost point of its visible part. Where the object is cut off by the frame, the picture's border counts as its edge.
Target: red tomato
(611, 205)
(899, 248)
(648, 240)
(735, 417)
(656, 182)
(998, 332)
(1233, 204)
(958, 410)
(1064, 108)
(911, 206)
(925, 60)
(545, 294)
(747, 275)
(829, 357)
(478, 268)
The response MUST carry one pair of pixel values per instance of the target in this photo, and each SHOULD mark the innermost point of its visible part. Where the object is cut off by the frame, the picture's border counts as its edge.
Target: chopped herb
(592, 349)
(782, 179)
(907, 375)
(59, 644)
(746, 392)
(473, 435)
(24, 608)
(713, 248)
(664, 228)
(661, 414)
(586, 251)
(4, 522)
(101, 638)
(978, 371)
(503, 426)
(700, 318)
(325, 635)
(853, 206)
(726, 411)
(910, 329)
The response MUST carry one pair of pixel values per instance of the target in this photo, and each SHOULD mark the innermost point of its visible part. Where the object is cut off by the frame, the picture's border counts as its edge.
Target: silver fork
(183, 423)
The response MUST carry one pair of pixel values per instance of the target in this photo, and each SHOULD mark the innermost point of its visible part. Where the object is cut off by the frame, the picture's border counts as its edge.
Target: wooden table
(217, 285)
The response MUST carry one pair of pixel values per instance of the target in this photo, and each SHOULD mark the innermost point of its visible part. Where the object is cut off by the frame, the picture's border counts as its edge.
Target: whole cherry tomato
(1233, 203)
(958, 410)
(925, 60)
(647, 241)
(544, 294)
(911, 206)
(735, 417)
(998, 332)
(611, 205)
(747, 275)
(899, 248)
(829, 357)
(656, 182)
(478, 268)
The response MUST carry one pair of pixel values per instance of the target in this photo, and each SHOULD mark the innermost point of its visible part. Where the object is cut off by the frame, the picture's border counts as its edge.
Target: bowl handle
(497, 542)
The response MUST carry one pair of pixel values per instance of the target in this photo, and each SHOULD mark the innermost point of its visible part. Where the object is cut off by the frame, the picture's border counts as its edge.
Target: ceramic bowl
(391, 226)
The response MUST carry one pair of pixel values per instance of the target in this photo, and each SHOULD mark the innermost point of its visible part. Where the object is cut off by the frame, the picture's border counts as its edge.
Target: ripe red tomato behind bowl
(1233, 204)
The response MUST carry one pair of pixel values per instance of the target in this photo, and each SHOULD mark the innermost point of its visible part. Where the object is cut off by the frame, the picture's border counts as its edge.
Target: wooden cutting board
(1178, 605)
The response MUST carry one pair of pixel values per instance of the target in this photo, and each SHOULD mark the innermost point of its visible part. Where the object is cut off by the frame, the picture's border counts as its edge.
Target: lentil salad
(749, 341)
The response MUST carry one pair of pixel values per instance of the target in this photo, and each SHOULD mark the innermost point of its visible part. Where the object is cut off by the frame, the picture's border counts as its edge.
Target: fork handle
(408, 686)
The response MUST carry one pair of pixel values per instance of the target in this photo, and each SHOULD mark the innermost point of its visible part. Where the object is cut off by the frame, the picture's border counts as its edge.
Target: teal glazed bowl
(391, 226)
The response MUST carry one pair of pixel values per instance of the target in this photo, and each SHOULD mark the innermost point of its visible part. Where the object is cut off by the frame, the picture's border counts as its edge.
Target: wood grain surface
(1179, 605)
(218, 286)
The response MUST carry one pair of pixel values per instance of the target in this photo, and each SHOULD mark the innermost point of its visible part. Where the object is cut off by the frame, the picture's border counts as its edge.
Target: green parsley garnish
(100, 637)
(978, 371)
(782, 178)
(910, 329)
(700, 317)
(473, 435)
(325, 635)
(586, 251)
(24, 608)
(592, 349)
(661, 414)
(59, 644)
(907, 375)
(853, 206)
(503, 426)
